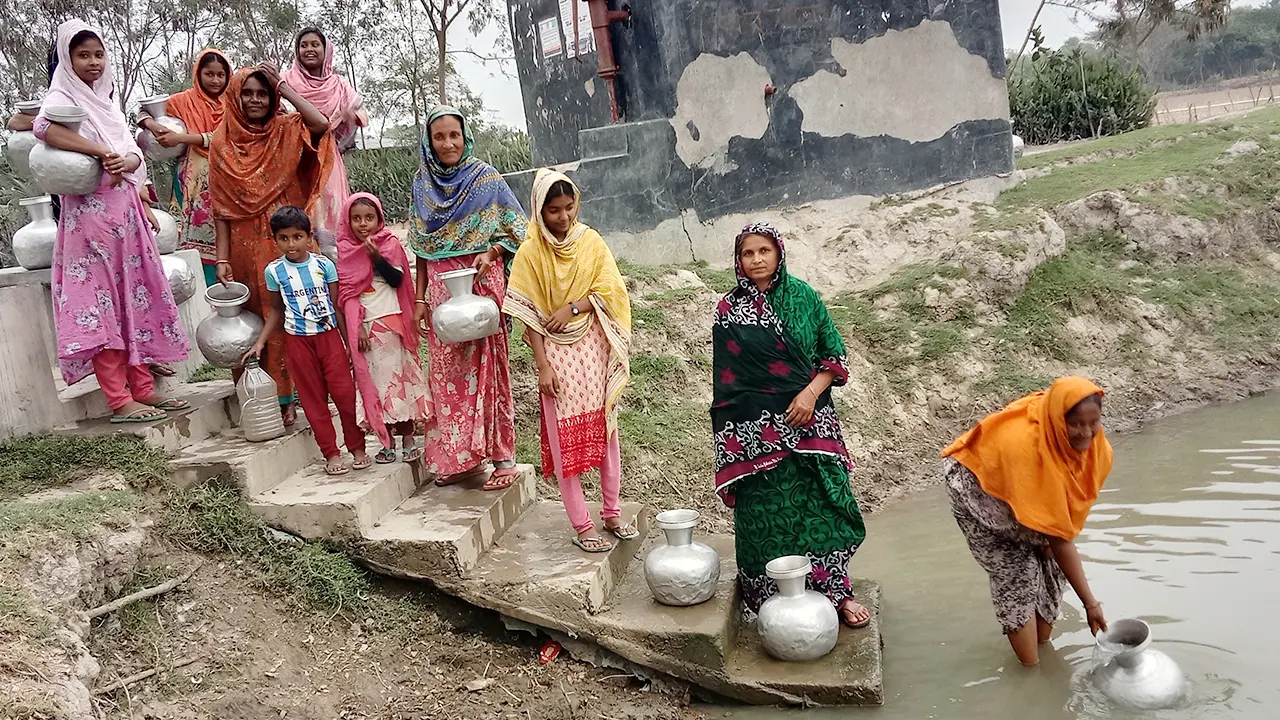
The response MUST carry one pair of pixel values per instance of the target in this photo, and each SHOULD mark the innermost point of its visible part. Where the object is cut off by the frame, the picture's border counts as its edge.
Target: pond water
(1186, 536)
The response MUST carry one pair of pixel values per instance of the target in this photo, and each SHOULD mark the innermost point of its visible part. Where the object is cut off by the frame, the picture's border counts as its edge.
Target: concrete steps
(315, 505)
(214, 409)
(254, 466)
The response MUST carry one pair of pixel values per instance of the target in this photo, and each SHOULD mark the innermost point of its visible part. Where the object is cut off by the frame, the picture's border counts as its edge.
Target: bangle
(420, 300)
(223, 262)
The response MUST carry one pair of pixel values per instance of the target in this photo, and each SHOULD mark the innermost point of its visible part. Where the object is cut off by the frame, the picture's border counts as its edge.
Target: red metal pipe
(601, 18)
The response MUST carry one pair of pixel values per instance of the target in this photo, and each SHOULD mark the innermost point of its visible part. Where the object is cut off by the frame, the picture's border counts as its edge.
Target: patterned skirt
(803, 506)
(1026, 581)
(581, 426)
(396, 373)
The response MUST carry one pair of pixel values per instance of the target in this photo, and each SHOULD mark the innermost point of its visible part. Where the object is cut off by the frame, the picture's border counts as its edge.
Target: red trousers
(120, 381)
(321, 370)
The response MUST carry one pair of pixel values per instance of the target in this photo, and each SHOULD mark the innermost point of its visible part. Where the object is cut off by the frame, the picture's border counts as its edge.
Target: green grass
(1009, 381)
(1126, 143)
(721, 281)
(39, 462)
(647, 317)
(1239, 313)
(651, 372)
(674, 296)
(926, 212)
(642, 273)
(1198, 207)
(74, 515)
(207, 372)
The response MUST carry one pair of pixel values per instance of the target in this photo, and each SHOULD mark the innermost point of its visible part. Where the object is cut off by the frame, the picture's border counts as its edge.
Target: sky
(497, 85)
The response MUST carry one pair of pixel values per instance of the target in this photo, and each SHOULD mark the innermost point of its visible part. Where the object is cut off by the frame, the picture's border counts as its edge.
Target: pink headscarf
(355, 276)
(106, 124)
(329, 92)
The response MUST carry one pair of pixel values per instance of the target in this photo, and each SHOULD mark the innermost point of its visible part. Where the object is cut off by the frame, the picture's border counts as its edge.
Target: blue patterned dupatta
(462, 210)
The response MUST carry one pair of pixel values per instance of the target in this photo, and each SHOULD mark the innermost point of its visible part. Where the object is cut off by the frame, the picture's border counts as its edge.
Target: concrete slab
(254, 466)
(443, 531)
(213, 405)
(315, 505)
(853, 674)
(675, 640)
(536, 574)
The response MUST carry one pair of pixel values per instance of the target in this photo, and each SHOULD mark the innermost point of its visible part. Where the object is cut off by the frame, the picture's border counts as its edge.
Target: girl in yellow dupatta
(566, 289)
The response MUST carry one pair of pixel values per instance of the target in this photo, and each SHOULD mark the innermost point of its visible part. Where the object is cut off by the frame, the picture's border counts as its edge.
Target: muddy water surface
(1185, 536)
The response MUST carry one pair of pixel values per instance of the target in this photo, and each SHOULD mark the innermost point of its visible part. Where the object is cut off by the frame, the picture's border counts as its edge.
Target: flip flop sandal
(600, 546)
(135, 417)
(501, 480)
(844, 619)
(385, 456)
(362, 464)
(339, 470)
(624, 531)
(413, 454)
(172, 405)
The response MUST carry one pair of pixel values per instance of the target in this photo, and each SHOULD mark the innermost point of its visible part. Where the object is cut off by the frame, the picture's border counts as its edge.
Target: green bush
(1076, 93)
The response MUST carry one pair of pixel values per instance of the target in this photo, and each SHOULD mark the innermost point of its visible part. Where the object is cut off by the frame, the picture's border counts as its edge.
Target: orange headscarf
(254, 168)
(1022, 455)
(198, 110)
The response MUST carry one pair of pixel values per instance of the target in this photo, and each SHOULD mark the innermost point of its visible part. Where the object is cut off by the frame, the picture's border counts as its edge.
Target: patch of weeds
(519, 354)
(889, 201)
(1009, 381)
(674, 296)
(648, 317)
(925, 213)
(918, 277)
(214, 519)
(207, 373)
(74, 515)
(650, 371)
(721, 281)
(1084, 280)
(38, 462)
(641, 273)
(939, 341)
(135, 624)
(13, 611)
(989, 219)
(1241, 313)
(1200, 207)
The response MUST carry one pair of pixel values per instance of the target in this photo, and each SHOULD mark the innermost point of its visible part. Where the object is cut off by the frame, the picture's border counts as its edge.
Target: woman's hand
(364, 343)
(273, 74)
(800, 411)
(486, 260)
(1097, 622)
(548, 383)
(560, 319)
(113, 163)
(151, 218)
(166, 137)
(223, 272)
(422, 317)
(371, 248)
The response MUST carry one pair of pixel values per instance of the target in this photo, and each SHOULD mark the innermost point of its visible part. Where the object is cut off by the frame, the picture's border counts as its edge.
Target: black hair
(560, 188)
(290, 217)
(368, 203)
(81, 38)
(309, 31)
(274, 106)
(211, 58)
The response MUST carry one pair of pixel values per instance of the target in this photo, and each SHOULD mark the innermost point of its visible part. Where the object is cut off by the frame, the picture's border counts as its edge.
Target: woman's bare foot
(289, 413)
(361, 460)
(854, 614)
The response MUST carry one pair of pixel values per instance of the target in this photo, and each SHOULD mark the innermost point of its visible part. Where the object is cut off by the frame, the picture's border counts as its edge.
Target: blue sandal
(135, 417)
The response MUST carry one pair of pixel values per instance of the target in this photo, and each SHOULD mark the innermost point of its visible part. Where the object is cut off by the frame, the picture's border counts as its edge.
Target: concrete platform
(254, 466)
(213, 407)
(315, 505)
(851, 675)
(445, 530)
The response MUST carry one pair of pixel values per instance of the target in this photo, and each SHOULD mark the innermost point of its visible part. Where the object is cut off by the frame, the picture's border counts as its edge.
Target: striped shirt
(304, 287)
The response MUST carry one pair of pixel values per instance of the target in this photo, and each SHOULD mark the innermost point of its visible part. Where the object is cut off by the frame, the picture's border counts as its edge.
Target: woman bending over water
(1021, 483)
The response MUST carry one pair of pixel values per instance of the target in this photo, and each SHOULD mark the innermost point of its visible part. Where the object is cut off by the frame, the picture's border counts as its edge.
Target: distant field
(1196, 104)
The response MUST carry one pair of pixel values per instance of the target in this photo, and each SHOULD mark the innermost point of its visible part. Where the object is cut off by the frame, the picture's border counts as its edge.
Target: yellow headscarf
(1022, 455)
(549, 273)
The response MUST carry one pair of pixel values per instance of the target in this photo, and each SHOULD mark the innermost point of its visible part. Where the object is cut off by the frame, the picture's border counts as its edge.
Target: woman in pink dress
(112, 308)
(312, 75)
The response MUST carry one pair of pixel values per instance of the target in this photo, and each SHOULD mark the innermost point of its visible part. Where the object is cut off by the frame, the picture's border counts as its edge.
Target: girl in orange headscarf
(260, 160)
(200, 110)
(1022, 482)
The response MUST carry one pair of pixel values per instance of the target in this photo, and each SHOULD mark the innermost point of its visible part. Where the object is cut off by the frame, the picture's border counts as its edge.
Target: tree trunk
(441, 49)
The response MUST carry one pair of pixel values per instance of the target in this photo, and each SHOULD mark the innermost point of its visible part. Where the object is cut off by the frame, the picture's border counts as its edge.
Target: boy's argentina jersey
(304, 287)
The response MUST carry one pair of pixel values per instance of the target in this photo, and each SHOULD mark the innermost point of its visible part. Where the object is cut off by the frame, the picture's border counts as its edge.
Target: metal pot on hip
(61, 172)
(154, 106)
(167, 235)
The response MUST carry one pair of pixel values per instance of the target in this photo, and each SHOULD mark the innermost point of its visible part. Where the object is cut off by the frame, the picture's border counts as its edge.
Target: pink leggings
(122, 382)
(575, 503)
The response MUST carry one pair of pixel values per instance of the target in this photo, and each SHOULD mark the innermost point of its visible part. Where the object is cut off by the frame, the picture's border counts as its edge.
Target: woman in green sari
(781, 463)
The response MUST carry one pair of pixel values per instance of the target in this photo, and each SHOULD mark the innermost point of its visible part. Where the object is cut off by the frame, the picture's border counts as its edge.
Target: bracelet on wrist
(420, 301)
(223, 262)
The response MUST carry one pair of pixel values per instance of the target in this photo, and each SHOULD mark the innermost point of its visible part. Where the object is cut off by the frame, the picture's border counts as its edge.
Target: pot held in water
(796, 625)
(224, 337)
(18, 147)
(33, 243)
(1138, 677)
(59, 172)
(182, 279)
(465, 316)
(682, 572)
(167, 235)
(155, 107)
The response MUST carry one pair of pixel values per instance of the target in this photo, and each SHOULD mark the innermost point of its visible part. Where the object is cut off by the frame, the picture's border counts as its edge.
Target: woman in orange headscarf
(260, 160)
(1022, 482)
(200, 110)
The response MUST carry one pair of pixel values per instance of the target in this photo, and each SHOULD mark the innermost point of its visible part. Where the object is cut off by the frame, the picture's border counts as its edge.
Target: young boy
(302, 285)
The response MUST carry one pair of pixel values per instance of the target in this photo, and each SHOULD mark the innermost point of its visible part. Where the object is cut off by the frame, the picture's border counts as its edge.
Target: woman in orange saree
(260, 160)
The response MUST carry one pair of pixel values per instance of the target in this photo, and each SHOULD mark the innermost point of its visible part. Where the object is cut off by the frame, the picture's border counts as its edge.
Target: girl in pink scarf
(376, 295)
(312, 75)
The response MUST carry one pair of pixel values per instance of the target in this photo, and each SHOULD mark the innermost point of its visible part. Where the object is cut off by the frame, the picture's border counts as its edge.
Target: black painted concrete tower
(733, 106)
